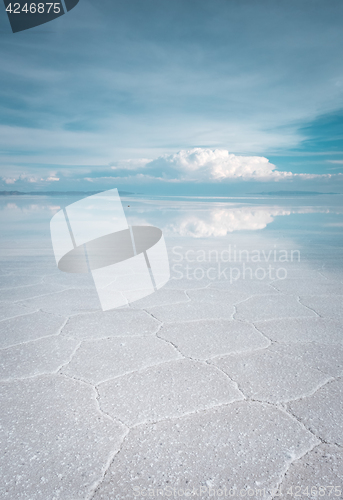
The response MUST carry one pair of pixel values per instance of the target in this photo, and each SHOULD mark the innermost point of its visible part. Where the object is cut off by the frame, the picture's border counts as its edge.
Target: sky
(175, 97)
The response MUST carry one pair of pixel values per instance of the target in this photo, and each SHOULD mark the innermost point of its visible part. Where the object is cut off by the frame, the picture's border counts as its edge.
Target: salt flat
(205, 388)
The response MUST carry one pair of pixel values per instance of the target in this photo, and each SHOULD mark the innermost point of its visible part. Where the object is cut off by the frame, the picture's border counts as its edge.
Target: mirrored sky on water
(306, 222)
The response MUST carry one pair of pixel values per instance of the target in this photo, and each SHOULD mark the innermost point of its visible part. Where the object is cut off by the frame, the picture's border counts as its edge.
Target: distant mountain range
(57, 193)
(127, 193)
(292, 193)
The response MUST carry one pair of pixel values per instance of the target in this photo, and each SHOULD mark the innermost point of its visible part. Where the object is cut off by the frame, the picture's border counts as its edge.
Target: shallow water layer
(227, 381)
(312, 225)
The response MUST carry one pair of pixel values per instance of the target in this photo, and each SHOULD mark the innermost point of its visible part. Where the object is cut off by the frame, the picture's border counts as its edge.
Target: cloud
(197, 166)
(208, 80)
(29, 208)
(205, 223)
(29, 179)
(22, 177)
(220, 222)
(207, 165)
(132, 164)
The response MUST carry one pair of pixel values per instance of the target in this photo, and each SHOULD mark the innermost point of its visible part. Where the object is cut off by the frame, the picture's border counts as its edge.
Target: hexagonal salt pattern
(246, 287)
(296, 330)
(329, 306)
(271, 307)
(191, 311)
(116, 323)
(302, 286)
(326, 358)
(323, 412)
(30, 266)
(56, 442)
(317, 474)
(67, 302)
(99, 360)
(9, 310)
(166, 390)
(161, 297)
(268, 376)
(214, 296)
(30, 291)
(185, 284)
(45, 355)
(29, 327)
(10, 281)
(210, 338)
(163, 394)
(243, 445)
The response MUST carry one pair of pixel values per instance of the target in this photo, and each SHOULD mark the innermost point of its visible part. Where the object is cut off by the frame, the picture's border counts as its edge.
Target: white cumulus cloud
(207, 165)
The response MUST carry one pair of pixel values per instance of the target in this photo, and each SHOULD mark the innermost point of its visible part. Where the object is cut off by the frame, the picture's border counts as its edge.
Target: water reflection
(219, 222)
(184, 218)
(30, 207)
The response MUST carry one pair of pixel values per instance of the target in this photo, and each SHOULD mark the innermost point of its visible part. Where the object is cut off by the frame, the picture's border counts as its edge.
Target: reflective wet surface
(226, 379)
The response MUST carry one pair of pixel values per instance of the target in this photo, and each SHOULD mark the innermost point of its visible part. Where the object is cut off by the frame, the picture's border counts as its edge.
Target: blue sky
(109, 94)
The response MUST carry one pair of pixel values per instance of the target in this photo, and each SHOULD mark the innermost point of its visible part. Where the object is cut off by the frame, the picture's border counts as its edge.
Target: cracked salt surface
(245, 287)
(30, 266)
(213, 296)
(166, 390)
(55, 439)
(302, 287)
(268, 376)
(28, 359)
(297, 330)
(116, 323)
(191, 311)
(65, 303)
(205, 383)
(160, 298)
(320, 470)
(26, 292)
(28, 327)
(235, 446)
(323, 412)
(262, 307)
(11, 281)
(210, 338)
(9, 310)
(99, 360)
(325, 358)
(327, 306)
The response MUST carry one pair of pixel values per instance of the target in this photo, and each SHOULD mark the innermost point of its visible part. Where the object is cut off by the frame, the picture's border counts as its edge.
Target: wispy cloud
(29, 179)
(169, 88)
(146, 78)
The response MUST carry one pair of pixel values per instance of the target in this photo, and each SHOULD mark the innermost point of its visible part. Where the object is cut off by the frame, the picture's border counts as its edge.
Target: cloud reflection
(221, 221)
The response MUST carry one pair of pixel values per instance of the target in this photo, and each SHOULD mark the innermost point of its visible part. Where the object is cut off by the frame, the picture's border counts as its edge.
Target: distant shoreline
(58, 193)
(129, 193)
(291, 193)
